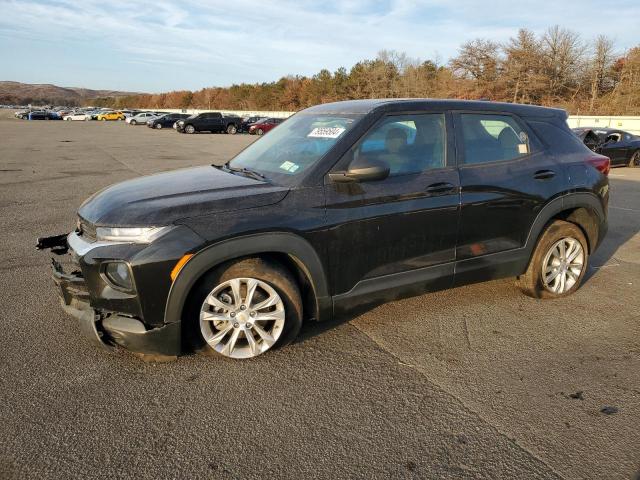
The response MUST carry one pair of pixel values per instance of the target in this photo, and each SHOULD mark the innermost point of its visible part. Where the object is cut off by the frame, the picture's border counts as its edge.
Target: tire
(559, 234)
(159, 126)
(103, 119)
(190, 129)
(133, 122)
(259, 131)
(231, 129)
(634, 161)
(287, 309)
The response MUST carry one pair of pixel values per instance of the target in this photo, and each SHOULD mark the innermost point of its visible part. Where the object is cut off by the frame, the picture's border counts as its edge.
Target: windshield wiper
(244, 171)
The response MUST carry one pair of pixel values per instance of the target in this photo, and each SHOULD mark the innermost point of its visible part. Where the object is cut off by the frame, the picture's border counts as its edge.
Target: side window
(490, 138)
(407, 143)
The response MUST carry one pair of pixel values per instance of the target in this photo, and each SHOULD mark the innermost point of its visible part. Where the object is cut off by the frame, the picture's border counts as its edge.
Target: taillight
(602, 163)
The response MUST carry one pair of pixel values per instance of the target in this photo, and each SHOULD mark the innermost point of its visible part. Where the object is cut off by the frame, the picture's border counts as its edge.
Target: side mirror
(365, 172)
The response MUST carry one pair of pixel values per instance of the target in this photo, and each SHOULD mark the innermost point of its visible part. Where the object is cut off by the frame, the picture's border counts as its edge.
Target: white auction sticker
(326, 132)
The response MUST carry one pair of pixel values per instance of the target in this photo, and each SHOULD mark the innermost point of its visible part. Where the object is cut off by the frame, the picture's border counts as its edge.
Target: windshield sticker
(326, 132)
(289, 167)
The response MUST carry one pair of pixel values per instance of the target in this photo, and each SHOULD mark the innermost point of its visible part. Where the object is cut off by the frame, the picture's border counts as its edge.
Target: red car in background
(263, 126)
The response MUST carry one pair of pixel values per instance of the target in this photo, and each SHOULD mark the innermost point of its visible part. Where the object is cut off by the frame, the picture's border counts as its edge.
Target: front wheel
(260, 131)
(158, 126)
(133, 122)
(558, 263)
(190, 129)
(232, 130)
(103, 119)
(634, 162)
(243, 309)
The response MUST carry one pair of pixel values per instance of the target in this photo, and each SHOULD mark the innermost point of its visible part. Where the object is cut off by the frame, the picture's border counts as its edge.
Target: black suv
(166, 121)
(214, 122)
(344, 206)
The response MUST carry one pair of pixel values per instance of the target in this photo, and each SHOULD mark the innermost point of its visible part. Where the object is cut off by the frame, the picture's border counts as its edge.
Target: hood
(164, 198)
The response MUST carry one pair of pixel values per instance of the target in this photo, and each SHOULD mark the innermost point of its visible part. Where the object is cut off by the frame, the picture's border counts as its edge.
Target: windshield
(294, 146)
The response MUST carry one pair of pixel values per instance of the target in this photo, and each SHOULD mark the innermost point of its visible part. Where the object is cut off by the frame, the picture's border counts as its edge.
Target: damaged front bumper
(103, 327)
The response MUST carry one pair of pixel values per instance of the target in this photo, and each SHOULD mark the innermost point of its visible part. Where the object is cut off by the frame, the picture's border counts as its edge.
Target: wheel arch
(581, 208)
(290, 250)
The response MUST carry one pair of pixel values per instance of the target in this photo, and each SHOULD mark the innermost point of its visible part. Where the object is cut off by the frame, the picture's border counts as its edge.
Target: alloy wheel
(242, 318)
(562, 265)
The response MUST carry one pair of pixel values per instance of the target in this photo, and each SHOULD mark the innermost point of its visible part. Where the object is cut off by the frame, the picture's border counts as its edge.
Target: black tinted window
(490, 138)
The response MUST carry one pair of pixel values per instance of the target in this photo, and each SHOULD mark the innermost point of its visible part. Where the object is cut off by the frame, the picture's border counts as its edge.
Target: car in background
(43, 115)
(248, 121)
(141, 118)
(78, 116)
(623, 148)
(166, 121)
(111, 116)
(214, 122)
(263, 126)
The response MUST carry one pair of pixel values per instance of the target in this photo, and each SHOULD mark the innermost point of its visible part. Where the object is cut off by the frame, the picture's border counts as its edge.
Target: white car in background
(141, 118)
(77, 116)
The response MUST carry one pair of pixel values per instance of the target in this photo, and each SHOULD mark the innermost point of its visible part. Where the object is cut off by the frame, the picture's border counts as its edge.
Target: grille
(86, 230)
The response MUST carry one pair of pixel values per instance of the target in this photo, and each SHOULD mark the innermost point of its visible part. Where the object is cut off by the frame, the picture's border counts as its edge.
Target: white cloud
(225, 42)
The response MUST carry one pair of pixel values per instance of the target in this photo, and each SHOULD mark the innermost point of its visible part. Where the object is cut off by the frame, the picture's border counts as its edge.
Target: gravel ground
(474, 382)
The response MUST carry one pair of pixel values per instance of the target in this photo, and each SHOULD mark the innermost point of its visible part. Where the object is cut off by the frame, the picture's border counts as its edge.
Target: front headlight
(130, 234)
(180, 122)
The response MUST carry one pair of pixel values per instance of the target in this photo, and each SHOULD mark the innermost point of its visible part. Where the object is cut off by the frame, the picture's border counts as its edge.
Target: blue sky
(177, 44)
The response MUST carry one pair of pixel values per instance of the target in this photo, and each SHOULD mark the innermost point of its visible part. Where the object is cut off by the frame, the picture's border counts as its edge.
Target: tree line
(556, 68)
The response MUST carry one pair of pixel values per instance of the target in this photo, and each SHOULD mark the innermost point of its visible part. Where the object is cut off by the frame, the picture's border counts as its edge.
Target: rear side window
(492, 138)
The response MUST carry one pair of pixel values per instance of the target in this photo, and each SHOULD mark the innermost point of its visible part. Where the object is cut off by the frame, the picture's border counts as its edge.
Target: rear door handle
(440, 188)
(544, 174)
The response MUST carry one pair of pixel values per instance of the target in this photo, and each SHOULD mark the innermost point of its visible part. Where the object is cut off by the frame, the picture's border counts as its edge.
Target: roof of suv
(396, 104)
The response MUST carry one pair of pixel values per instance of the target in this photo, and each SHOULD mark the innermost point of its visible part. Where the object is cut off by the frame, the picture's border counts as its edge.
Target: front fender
(276, 242)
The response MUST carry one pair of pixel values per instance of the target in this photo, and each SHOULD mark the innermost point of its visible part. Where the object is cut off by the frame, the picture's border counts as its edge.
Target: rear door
(404, 223)
(506, 177)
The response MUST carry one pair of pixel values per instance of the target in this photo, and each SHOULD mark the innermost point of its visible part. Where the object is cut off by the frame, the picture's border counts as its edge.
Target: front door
(388, 233)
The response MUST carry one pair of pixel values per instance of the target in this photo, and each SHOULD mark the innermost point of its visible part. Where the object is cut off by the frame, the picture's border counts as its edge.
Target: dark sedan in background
(623, 148)
(166, 121)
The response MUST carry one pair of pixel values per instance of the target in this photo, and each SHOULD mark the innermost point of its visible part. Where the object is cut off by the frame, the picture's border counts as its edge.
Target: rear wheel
(634, 162)
(558, 263)
(241, 310)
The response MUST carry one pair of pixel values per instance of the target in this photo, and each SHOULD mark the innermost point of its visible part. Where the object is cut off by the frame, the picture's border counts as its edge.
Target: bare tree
(564, 58)
(600, 64)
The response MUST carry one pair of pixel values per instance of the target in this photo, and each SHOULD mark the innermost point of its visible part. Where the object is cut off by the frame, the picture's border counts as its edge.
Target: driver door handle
(440, 188)
(544, 174)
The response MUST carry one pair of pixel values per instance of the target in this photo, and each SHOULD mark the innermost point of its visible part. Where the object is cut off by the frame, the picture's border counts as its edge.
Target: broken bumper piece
(106, 328)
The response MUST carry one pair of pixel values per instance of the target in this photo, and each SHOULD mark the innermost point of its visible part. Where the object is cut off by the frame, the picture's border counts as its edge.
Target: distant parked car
(247, 122)
(43, 115)
(209, 122)
(623, 148)
(263, 126)
(111, 116)
(77, 116)
(166, 120)
(141, 118)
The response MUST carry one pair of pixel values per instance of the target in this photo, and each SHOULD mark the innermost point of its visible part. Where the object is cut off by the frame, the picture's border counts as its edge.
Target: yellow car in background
(111, 116)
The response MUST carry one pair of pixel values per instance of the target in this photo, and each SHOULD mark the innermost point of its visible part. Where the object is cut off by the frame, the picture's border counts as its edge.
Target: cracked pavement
(474, 382)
